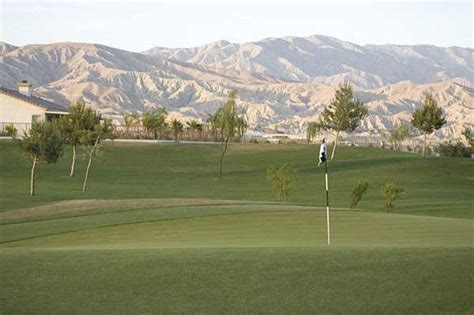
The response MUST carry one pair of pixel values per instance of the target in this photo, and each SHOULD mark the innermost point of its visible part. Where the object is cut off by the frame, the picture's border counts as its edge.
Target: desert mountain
(328, 60)
(6, 48)
(117, 81)
(114, 79)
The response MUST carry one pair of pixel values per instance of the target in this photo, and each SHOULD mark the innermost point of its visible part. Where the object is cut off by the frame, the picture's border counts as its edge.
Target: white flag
(322, 152)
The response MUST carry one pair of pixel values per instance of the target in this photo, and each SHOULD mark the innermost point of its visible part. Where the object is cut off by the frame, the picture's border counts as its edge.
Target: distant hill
(6, 48)
(329, 60)
(191, 84)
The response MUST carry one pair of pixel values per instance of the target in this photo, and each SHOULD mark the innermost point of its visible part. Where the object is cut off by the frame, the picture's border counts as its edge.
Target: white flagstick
(327, 202)
(322, 159)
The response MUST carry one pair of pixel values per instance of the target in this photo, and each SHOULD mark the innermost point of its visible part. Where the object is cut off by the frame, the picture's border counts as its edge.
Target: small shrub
(358, 192)
(280, 178)
(467, 133)
(391, 193)
(450, 149)
(11, 130)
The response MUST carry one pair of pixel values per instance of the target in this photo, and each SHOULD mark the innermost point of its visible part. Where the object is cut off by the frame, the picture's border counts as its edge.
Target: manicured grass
(211, 256)
(249, 280)
(434, 186)
(158, 233)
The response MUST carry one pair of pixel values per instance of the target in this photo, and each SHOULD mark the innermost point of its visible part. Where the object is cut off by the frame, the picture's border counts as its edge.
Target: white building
(21, 109)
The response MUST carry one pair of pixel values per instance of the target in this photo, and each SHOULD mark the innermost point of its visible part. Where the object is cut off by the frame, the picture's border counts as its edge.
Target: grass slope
(440, 187)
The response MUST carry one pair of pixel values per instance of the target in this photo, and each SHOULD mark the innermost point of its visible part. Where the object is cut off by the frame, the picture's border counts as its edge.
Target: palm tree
(212, 123)
(177, 127)
(130, 120)
(154, 121)
(194, 126)
(313, 128)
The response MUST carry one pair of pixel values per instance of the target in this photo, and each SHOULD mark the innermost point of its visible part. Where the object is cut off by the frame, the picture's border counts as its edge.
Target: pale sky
(143, 24)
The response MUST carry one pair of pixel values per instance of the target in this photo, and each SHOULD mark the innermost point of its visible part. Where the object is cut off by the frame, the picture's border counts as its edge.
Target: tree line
(154, 124)
(85, 130)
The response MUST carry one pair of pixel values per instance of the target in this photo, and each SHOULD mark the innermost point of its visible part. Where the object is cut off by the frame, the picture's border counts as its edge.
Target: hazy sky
(142, 24)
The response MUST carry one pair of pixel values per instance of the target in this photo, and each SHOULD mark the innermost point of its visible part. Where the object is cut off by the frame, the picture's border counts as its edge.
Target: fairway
(157, 234)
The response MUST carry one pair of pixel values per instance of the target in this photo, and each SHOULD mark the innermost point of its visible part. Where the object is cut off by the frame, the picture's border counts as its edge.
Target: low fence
(135, 132)
(167, 133)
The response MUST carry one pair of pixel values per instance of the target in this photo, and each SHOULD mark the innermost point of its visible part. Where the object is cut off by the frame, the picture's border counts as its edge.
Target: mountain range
(283, 83)
(323, 59)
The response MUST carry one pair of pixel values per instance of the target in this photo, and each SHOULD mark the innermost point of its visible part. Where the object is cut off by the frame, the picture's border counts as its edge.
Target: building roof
(49, 106)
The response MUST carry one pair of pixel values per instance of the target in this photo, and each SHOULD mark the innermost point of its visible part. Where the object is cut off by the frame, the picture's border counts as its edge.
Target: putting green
(223, 224)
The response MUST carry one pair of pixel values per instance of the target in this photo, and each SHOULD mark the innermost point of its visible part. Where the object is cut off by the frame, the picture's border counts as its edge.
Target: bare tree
(92, 141)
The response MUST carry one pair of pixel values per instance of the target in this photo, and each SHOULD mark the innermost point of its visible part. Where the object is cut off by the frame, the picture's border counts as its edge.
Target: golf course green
(157, 232)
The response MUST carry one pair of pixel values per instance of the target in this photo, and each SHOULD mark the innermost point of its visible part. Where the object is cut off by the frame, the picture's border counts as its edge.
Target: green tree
(73, 126)
(212, 124)
(358, 191)
(399, 134)
(428, 118)
(467, 133)
(195, 127)
(457, 149)
(242, 127)
(226, 126)
(129, 121)
(154, 121)
(177, 127)
(384, 136)
(313, 128)
(92, 140)
(344, 113)
(281, 179)
(391, 193)
(42, 144)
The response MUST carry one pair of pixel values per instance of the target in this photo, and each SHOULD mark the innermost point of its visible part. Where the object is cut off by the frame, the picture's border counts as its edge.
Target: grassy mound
(214, 223)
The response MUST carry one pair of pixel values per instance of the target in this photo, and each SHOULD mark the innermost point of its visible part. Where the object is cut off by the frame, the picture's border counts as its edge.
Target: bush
(391, 193)
(280, 178)
(11, 130)
(358, 192)
(450, 149)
